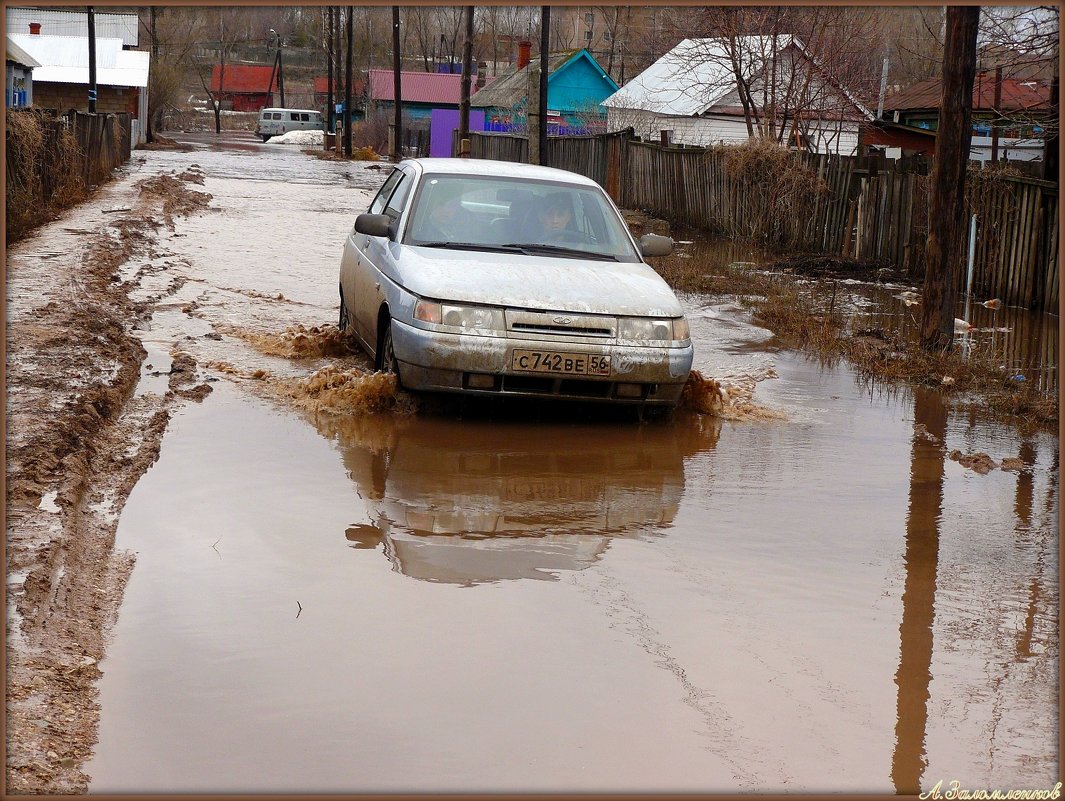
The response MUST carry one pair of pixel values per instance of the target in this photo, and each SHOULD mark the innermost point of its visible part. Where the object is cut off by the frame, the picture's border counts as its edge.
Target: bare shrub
(779, 189)
(44, 171)
(371, 132)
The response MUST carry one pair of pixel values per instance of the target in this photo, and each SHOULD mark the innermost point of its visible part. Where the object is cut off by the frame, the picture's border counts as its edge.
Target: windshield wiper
(471, 246)
(536, 247)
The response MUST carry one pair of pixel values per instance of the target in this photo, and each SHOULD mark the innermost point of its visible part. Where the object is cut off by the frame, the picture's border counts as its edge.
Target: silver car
(494, 278)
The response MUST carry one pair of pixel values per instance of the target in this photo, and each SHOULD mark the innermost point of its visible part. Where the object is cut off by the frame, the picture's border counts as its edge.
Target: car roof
(505, 169)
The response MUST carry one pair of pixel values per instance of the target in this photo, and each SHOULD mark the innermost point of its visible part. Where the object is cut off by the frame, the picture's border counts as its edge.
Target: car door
(380, 253)
(358, 271)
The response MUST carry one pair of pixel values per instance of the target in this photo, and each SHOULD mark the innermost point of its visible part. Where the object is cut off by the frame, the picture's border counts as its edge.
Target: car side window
(394, 207)
(378, 205)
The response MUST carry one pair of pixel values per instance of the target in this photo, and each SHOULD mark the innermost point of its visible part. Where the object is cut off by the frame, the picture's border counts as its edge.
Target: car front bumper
(481, 365)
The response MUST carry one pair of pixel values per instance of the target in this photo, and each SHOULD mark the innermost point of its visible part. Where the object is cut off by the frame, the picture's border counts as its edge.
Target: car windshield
(513, 214)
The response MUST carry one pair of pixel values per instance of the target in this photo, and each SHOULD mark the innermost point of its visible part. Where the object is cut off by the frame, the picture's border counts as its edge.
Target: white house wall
(823, 136)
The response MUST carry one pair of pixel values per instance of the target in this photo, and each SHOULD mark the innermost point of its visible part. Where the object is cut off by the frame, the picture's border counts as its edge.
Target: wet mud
(77, 444)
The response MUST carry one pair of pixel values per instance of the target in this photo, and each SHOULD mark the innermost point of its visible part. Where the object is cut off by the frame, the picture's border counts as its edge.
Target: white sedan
(494, 278)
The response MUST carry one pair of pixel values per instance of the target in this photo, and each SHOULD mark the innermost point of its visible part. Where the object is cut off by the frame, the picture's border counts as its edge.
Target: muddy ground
(77, 443)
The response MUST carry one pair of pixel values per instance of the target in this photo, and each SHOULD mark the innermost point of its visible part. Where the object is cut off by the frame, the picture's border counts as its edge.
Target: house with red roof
(421, 92)
(248, 87)
(1016, 109)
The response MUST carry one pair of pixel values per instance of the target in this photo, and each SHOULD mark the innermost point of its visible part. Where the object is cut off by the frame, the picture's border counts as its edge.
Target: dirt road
(217, 584)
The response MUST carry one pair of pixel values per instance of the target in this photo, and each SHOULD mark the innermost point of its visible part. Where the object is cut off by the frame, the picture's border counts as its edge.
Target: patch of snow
(305, 138)
(48, 503)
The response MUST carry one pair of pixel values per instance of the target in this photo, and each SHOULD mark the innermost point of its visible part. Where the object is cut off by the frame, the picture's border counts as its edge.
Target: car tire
(265, 137)
(345, 317)
(386, 355)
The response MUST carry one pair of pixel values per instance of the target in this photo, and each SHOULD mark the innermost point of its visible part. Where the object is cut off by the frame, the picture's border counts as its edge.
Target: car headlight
(647, 329)
(468, 318)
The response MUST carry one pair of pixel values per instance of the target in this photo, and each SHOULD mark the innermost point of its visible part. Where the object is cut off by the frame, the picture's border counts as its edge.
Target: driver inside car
(552, 219)
(448, 220)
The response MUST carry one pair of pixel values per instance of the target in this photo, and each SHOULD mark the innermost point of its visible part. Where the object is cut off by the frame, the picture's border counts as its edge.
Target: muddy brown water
(467, 600)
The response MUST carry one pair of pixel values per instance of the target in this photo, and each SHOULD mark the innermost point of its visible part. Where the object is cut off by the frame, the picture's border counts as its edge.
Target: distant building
(61, 82)
(19, 76)
(691, 93)
(62, 22)
(246, 87)
(358, 94)
(421, 92)
(1022, 110)
(576, 88)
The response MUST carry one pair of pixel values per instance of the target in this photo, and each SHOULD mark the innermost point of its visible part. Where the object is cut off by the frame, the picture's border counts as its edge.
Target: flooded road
(461, 600)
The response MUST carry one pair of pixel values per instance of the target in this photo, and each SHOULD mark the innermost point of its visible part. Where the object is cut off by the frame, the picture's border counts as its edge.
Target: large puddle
(479, 601)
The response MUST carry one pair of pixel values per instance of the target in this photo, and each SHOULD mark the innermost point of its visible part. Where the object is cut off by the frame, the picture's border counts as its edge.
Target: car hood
(536, 282)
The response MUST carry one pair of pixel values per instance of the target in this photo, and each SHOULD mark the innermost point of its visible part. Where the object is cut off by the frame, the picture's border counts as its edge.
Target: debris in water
(1011, 463)
(977, 462)
(921, 430)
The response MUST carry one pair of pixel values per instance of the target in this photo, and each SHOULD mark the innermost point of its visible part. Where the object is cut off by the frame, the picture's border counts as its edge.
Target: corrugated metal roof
(685, 81)
(65, 59)
(417, 87)
(244, 78)
(17, 55)
(1016, 95)
(698, 73)
(73, 23)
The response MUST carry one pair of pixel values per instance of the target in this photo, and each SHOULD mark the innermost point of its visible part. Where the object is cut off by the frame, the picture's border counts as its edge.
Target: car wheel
(345, 317)
(265, 138)
(386, 355)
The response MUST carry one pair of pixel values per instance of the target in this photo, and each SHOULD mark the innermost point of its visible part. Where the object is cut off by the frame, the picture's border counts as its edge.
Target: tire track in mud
(78, 440)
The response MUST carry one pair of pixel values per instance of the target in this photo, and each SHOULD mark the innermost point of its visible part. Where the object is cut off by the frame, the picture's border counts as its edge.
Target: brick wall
(65, 96)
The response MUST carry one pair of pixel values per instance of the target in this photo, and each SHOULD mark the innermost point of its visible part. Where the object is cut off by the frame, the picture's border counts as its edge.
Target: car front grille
(521, 321)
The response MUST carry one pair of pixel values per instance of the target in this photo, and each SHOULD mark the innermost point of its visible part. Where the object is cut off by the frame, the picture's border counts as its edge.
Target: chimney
(524, 53)
(35, 28)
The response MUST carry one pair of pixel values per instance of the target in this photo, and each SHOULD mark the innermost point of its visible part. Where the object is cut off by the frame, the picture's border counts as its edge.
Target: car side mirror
(374, 224)
(655, 245)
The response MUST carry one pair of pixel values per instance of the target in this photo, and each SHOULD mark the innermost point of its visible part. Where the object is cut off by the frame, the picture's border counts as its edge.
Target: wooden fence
(104, 142)
(864, 207)
(52, 161)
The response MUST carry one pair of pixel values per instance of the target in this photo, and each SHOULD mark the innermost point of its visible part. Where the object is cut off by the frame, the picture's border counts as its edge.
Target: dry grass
(778, 303)
(881, 356)
(43, 158)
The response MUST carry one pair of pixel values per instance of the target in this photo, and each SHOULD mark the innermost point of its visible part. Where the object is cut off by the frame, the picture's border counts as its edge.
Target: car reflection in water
(472, 502)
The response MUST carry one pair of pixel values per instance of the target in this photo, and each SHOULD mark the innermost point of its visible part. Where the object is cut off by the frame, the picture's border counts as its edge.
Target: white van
(277, 121)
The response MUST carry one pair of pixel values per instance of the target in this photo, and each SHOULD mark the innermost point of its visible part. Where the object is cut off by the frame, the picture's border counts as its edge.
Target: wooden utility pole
(329, 108)
(467, 68)
(545, 47)
(92, 60)
(397, 73)
(947, 213)
(347, 91)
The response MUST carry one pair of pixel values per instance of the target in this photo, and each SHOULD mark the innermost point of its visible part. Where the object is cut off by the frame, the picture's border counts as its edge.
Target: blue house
(576, 88)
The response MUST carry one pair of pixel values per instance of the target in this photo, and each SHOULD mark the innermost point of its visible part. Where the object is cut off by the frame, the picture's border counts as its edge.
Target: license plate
(549, 361)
